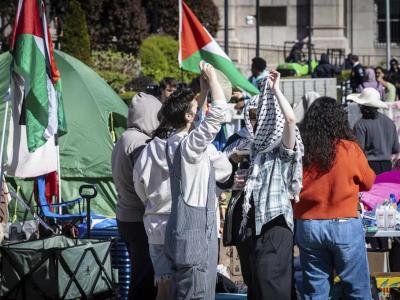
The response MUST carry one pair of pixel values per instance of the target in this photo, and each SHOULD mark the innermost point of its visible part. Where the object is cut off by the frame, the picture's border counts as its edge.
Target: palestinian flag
(42, 110)
(196, 44)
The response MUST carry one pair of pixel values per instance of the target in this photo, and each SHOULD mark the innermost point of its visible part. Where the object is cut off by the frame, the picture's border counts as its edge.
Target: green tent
(93, 111)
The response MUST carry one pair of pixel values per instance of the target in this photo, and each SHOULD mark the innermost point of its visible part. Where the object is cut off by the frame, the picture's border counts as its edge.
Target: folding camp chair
(87, 192)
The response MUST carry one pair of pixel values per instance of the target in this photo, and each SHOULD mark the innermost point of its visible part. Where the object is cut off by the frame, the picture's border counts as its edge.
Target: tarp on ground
(85, 151)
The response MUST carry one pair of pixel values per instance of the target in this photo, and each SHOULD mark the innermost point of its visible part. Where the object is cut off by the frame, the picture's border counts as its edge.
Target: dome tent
(85, 151)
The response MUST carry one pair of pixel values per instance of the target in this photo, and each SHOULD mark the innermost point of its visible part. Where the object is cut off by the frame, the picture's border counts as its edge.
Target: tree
(116, 23)
(159, 58)
(93, 10)
(163, 16)
(75, 40)
(129, 25)
(8, 10)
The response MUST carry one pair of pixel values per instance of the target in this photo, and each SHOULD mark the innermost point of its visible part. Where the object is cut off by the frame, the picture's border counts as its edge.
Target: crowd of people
(386, 82)
(291, 184)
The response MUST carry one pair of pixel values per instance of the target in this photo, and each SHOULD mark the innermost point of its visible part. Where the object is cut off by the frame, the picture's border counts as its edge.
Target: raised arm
(208, 80)
(200, 137)
(289, 130)
(204, 89)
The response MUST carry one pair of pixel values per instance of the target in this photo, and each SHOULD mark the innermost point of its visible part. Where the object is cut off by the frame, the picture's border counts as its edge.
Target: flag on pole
(37, 109)
(32, 49)
(196, 44)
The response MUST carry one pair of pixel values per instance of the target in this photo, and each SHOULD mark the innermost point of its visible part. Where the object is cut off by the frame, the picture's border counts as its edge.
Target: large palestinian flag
(42, 110)
(196, 44)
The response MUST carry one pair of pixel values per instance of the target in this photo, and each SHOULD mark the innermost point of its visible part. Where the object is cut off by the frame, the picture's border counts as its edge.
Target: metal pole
(3, 138)
(88, 217)
(257, 28)
(309, 37)
(59, 200)
(226, 29)
(388, 39)
(351, 28)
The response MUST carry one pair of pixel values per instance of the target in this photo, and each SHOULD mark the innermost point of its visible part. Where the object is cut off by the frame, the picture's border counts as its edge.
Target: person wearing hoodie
(324, 68)
(370, 82)
(175, 178)
(142, 120)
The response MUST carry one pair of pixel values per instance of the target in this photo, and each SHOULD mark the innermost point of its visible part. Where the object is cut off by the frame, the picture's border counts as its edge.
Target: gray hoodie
(142, 121)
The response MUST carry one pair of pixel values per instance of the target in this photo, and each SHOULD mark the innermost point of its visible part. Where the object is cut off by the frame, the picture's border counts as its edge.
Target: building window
(273, 16)
(394, 20)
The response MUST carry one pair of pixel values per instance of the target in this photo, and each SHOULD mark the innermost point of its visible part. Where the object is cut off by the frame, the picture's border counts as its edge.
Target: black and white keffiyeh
(267, 138)
(270, 121)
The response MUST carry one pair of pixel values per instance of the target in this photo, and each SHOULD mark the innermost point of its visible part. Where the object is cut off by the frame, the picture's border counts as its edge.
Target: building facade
(355, 26)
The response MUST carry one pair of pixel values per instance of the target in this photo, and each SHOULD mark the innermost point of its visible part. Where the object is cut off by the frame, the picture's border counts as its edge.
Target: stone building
(356, 26)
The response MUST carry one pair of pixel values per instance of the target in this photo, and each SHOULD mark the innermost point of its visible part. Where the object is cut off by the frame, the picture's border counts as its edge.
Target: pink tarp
(385, 184)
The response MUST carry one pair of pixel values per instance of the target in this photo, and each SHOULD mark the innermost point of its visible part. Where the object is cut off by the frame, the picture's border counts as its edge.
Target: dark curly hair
(324, 125)
(368, 112)
(176, 106)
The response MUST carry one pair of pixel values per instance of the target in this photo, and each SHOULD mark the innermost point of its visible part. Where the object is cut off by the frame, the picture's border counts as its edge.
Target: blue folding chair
(45, 208)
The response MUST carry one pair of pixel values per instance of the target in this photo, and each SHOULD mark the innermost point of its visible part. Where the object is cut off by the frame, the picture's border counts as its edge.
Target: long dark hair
(324, 125)
(368, 112)
(163, 131)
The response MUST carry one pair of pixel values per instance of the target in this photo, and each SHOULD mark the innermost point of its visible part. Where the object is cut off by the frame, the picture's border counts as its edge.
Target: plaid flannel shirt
(274, 186)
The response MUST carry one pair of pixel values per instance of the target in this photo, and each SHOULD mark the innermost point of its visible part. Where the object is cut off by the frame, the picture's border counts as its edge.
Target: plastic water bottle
(390, 218)
(380, 217)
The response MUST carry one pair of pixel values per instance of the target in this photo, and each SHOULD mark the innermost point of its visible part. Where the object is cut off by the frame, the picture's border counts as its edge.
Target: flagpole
(58, 172)
(3, 139)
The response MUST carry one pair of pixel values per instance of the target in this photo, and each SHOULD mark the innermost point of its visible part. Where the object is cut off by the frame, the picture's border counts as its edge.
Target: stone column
(328, 21)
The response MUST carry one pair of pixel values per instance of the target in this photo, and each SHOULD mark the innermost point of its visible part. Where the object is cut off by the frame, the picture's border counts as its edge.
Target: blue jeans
(329, 247)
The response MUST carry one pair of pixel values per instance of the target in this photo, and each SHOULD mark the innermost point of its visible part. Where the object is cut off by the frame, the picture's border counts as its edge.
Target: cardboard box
(229, 257)
(376, 262)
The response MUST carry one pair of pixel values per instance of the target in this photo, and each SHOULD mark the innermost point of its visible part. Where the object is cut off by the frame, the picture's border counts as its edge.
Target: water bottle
(390, 218)
(380, 217)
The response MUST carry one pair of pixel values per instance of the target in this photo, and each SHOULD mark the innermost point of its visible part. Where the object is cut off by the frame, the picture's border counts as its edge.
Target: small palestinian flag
(196, 44)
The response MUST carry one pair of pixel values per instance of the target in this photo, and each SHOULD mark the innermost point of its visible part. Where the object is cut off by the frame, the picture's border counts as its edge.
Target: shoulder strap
(177, 152)
(135, 154)
(169, 161)
(174, 165)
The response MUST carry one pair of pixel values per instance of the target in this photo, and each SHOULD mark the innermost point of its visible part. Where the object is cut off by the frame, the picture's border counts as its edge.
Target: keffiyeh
(267, 138)
(270, 122)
